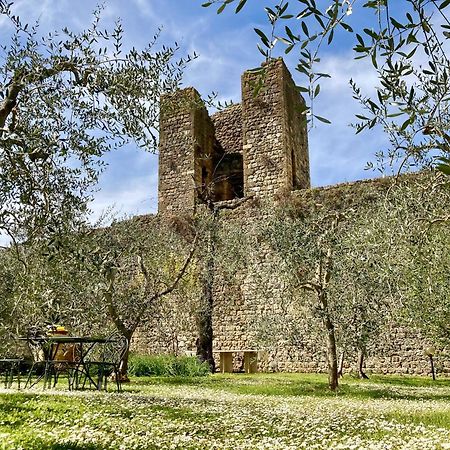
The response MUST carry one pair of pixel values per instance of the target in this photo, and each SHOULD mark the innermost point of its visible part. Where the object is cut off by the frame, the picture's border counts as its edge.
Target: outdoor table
(51, 344)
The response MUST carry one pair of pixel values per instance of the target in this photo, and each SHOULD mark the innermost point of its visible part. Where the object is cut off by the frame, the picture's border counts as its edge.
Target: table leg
(251, 362)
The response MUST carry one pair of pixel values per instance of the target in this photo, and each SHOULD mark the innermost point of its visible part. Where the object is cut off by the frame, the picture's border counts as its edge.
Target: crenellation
(257, 148)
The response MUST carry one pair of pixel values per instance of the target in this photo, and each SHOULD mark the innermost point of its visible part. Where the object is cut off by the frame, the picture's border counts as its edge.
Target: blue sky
(226, 45)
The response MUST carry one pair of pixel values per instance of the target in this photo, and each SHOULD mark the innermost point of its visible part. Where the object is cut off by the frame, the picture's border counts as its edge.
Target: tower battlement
(257, 148)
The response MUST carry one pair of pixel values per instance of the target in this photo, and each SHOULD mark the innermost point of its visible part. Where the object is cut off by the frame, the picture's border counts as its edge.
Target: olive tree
(132, 265)
(97, 280)
(420, 255)
(8, 307)
(308, 250)
(332, 255)
(221, 256)
(66, 99)
(406, 44)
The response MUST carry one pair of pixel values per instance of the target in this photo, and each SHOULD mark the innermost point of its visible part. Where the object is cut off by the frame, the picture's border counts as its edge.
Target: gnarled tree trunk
(204, 320)
(361, 356)
(341, 365)
(331, 354)
(123, 367)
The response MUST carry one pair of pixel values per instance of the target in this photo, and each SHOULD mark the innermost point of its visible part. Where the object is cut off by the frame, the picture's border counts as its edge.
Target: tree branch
(170, 288)
(166, 291)
(310, 286)
(112, 310)
(182, 271)
(9, 102)
(21, 80)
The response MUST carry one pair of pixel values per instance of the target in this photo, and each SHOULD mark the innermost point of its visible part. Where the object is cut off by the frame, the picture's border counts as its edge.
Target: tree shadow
(73, 446)
(313, 385)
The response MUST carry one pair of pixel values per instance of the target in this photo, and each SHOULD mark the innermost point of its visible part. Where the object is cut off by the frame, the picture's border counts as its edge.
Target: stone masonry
(186, 146)
(256, 150)
(275, 141)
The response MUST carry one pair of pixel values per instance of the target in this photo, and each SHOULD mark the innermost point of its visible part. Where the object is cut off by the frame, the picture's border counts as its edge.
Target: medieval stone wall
(274, 130)
(176, 143)
(296, 135)
(261, 305)
(258, 149)
(254, 311)
(228, 128)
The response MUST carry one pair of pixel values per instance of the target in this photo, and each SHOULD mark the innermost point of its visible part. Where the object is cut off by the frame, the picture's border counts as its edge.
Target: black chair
(11, 368)
(12, 362)
(50, 360)
(104, 361)
(40, 354)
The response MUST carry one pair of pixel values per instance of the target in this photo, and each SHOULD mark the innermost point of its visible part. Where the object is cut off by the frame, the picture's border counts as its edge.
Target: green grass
(166, 365)
(232, 411)
(315, 385)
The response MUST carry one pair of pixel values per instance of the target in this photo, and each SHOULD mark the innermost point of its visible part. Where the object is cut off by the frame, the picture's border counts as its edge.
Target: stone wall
(274, 128)
(262, 302)
(245, 309)
(259, 150)
(295, 135)
(228, 128)
(185, 140)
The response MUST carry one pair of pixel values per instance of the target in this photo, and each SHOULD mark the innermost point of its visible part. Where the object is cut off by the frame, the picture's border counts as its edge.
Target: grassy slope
(233, 411)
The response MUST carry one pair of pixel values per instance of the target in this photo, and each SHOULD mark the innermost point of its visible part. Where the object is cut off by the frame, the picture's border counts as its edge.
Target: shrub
(166, 365)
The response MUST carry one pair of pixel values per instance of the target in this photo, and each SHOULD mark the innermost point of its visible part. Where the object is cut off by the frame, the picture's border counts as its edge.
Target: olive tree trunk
(341, 365)
(361, 356)
(332, 361)
(204, 320)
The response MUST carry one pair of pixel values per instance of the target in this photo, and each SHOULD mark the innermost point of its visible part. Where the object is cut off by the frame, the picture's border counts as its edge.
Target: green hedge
(166, 365)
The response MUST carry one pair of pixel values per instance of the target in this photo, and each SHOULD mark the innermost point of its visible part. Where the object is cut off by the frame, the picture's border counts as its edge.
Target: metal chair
(50, 361)
(11, 368)
(40, 354)
(12, 362)
(105, 361)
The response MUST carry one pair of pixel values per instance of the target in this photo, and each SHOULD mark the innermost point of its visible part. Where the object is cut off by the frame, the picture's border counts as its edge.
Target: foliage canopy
(66, 99)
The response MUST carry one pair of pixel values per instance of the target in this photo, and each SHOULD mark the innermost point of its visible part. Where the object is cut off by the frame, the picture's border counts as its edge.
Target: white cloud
(136, 196)
(337, 154)
(45, 11)
(145, 8)
(344, 67)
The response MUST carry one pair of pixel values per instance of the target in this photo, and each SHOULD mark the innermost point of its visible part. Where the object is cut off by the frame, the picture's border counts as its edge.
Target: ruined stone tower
(257, 148)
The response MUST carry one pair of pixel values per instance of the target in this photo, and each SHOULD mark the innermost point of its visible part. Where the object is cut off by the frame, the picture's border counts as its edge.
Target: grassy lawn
(276, 411)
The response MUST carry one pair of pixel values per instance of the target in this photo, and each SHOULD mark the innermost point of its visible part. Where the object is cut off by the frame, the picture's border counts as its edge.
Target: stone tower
(258, 148)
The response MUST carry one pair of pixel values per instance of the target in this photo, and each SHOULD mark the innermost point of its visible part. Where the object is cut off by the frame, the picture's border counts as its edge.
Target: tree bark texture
(361, 356)
(205, 313)
(123, 368)
(331, 355)
(341, 365)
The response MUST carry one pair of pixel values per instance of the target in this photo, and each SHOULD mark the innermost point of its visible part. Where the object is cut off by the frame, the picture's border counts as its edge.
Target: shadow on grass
(312, 385)
(68, 446)
(287, 385)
